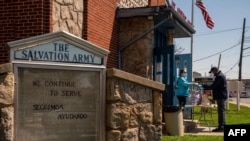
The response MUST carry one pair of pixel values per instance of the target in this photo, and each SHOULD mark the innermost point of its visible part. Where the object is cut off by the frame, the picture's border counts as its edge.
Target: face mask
(184, 75)
(212, 76)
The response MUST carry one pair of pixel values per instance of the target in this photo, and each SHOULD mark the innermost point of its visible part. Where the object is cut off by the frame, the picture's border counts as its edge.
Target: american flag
(207, 18)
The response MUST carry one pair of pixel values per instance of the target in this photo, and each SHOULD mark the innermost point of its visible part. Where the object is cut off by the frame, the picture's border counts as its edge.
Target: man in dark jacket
(219, 90)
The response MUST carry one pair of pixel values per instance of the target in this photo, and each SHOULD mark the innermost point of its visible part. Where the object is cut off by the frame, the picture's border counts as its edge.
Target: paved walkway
(241, 103)
(200, 130)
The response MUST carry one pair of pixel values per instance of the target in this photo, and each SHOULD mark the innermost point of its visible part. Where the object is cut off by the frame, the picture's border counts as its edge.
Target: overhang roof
(182, 28)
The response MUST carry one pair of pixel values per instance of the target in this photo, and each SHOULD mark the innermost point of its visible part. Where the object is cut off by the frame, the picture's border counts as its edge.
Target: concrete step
(193, 128)
(190, 125)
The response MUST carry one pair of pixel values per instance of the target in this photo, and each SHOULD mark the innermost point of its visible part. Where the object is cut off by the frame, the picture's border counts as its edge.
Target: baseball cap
(212, 69)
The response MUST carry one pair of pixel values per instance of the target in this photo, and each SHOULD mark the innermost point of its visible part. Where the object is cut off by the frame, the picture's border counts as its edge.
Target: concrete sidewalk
(241, 103)
(192, 128)
(200, 130)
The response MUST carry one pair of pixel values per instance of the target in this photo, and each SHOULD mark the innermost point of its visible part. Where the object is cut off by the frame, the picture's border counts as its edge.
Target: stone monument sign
(59, 88)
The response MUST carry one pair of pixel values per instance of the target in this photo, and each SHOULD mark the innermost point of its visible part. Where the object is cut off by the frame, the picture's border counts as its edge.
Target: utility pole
(219, 62)
(240, 64)
(192, 21)
(241, 49)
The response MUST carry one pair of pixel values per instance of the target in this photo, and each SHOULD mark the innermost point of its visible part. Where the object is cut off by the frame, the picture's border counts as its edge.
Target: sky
(223, 42)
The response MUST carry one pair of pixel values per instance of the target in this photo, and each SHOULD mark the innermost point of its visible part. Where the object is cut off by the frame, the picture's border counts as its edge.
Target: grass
(233, 116)
(192, 138)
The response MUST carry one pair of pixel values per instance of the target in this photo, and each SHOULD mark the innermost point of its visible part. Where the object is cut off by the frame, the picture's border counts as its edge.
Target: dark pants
(182, 101)
(221, 113)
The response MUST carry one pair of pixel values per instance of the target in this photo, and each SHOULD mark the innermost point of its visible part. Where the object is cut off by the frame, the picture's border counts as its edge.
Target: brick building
(138, 33)
(133, 31)
(86, 19)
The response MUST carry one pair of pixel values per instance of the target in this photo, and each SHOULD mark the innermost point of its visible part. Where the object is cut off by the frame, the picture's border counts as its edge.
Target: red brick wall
(25, 18)
(21, 19)
(101, 27)
(157, 2)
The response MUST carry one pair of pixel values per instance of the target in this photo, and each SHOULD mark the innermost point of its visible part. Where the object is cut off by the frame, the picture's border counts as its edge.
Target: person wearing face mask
(212, 76)
(183, 88)
(219, 92)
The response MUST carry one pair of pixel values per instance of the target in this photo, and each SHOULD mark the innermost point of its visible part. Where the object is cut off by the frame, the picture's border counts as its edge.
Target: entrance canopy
(175, 21)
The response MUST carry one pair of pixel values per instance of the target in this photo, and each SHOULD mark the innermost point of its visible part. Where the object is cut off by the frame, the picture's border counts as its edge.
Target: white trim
(64, 65)
(57, 36)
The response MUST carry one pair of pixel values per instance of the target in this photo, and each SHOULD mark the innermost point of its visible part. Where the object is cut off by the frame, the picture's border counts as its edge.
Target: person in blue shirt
(183, 88)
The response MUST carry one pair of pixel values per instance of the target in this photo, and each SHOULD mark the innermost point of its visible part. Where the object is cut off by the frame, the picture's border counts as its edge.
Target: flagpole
(192, 21)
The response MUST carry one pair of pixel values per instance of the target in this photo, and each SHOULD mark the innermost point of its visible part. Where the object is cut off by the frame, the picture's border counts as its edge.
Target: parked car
(232, 94)
(244, 94)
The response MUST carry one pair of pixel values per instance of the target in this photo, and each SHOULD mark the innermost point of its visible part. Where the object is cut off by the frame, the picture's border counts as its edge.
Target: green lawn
(192, 138)
(233, 116)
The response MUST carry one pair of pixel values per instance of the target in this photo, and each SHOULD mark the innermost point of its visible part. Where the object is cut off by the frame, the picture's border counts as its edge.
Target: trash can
(173, 117)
